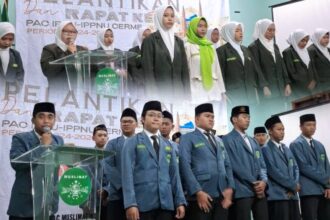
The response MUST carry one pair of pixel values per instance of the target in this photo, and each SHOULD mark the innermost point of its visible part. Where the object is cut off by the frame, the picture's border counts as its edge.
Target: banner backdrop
(78, 114)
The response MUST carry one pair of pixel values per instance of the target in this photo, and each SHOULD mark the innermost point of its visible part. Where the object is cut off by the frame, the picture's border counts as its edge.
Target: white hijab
(294, 39)
(316, 38)
(259, 33)
(139, 36)
(209, 36)
(228, 34)
(5, 28)
(100, 40)
(58, 34)
(167, 34)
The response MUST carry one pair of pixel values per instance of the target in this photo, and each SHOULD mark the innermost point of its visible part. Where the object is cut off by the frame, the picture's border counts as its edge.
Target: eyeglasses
(69, 32)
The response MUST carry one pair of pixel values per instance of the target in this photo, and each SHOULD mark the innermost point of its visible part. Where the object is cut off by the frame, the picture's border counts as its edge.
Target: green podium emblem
(107, 82)
(74, 186)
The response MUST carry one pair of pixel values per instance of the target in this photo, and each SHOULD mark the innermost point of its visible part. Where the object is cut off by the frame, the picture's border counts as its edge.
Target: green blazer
(56, 74)
(300, 74)
(321, 65)
(163, 76)
(274, 73)
(240, 79)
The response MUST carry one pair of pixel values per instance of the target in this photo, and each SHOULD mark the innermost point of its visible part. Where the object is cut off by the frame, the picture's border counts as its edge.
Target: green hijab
(206, 52)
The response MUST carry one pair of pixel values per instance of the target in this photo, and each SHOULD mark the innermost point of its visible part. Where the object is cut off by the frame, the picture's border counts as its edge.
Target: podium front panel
(65, 181)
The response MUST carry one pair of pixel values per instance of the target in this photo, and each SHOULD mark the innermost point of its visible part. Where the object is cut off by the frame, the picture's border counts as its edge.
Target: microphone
(46, 129)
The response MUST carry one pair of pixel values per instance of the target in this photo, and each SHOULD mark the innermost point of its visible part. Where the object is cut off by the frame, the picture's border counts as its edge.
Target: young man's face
(277, 132)
(241, 121)
(152, 121)
(308, 128)
(128, 125)
(261, 138)
(42, 120)
(166, 127)
(100, 138)
(205, 121)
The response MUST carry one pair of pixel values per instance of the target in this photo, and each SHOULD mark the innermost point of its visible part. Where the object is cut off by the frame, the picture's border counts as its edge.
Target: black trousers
(116, 210)
(157, 214)
(104, 212)
(284, 210)
(217, 211)
(241, 210)
(315, 207)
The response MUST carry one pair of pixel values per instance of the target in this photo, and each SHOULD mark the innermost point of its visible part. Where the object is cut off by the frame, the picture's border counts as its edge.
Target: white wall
(292, 130)
(308, 15)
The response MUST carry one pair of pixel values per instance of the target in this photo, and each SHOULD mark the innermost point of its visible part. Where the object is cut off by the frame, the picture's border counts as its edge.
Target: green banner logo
(74, 186)
(107, 82)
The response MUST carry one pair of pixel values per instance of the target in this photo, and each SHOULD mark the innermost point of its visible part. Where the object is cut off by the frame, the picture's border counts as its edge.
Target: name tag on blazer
(198, 145)
(322, 157)
(168, 149)
(257, 154)
(231, 59)
(290, 162)
(141, 147)
(15, 65)
(168, 158)
(296, 61)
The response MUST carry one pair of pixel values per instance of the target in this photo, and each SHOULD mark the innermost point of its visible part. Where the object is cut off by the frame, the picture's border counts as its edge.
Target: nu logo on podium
(75, 186)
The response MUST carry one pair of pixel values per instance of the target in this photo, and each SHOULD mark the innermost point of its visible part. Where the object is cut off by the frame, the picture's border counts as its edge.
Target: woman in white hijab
(65, 37)
(302, 74)
(213, 34)
(135, 73)
(237, 67)
(320, 57)
(142, 33)
(164, 60)
(11, 68)
(105, 39)
(274, 85)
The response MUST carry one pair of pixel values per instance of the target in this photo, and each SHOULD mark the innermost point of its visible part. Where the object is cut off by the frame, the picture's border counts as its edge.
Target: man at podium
(43, 119)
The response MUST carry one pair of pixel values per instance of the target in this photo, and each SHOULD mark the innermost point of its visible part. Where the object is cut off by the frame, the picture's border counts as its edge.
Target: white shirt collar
(277, 144)
(201, 130)
(100, 148)
(149, 134)
(242, 134)
(307, 139)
